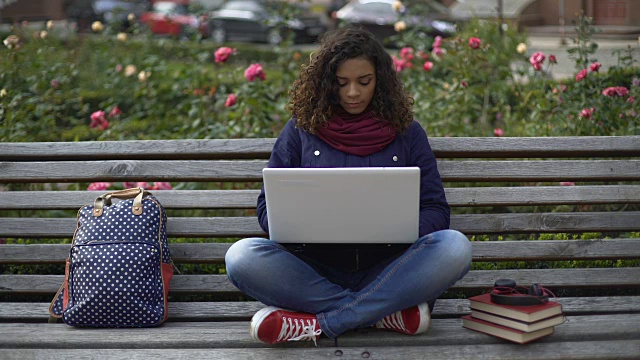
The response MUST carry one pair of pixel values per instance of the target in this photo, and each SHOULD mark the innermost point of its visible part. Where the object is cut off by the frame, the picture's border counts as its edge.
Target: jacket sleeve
(286, 153)
(434, 209)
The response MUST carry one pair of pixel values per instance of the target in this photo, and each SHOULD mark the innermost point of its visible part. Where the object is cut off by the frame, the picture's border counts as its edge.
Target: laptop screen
(343, 205)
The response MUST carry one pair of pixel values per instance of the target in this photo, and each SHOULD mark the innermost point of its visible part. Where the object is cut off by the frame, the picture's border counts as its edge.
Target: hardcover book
(517, 324)
(504, 332)
(527, 314)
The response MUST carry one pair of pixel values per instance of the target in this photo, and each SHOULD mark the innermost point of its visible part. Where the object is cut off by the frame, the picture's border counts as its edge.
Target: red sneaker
(274, 325)
(412, 321)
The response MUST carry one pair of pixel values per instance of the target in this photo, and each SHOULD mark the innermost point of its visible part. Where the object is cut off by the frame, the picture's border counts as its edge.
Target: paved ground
(566, 66)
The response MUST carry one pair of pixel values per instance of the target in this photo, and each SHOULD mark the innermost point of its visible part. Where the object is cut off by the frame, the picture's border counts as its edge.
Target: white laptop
(343, 205)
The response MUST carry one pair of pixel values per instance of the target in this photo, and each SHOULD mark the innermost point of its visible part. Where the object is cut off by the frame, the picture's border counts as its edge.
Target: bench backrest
(505, 193)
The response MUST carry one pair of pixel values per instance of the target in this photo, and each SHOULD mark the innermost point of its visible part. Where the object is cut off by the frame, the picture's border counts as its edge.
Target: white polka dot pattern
(115, 275)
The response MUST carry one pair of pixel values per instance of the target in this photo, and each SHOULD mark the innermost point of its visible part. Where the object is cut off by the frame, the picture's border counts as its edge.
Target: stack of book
(520, 324)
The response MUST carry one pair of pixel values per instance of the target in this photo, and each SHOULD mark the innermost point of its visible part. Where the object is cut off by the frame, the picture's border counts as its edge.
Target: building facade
(551, 12)
(31, 10)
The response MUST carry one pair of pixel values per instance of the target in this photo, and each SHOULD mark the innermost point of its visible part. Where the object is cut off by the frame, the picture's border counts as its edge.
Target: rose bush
(480, 80)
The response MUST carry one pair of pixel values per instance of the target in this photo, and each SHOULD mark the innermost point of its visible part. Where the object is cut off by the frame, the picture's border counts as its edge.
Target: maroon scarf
(362, 134)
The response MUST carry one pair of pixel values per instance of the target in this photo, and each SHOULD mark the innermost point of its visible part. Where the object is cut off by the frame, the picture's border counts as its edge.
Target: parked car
(379, 17)
(249, 20)
(173, 18)
(113, 12)
(117, 11)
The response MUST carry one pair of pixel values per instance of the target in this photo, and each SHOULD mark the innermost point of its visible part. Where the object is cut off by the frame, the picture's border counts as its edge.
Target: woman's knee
(456, 247)
(242, 253)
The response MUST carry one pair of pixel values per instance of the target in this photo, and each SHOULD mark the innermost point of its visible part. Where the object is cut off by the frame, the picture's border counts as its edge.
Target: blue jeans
(344, 300)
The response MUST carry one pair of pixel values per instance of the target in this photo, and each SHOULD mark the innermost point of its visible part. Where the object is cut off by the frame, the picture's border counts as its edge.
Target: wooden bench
(504, 193)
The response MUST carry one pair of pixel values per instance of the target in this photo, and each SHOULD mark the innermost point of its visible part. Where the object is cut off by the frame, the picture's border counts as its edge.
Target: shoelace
(295, 330)
(393, 321)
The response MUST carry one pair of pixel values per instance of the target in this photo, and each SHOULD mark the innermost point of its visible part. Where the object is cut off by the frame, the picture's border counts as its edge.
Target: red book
(504, 332)
(517, 324)
(527, 314)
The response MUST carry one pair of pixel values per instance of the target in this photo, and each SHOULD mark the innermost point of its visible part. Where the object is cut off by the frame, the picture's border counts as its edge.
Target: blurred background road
(566, 66)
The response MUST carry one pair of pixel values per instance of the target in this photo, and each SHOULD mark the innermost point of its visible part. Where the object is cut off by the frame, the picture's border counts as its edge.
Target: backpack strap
(59, 302)
(105, 200)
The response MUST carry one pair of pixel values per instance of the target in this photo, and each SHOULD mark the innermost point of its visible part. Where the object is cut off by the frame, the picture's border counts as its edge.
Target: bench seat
(615, 336)
(582, 241)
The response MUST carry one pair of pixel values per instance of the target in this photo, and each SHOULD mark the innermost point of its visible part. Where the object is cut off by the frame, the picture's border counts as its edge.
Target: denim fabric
(344, 300)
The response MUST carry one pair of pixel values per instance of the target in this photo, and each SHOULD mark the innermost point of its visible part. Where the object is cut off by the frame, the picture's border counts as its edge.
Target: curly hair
(314, 95)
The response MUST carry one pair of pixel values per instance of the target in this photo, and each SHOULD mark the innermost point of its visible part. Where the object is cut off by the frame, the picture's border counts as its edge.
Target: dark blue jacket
(298, 148)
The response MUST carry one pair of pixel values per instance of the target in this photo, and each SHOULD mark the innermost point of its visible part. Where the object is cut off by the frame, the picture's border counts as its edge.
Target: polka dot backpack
(119, 267)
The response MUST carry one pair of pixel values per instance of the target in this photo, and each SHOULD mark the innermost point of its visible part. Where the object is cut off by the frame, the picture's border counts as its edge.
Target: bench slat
(543, 195)
(139, 149)
(235, 335)
(246, 199)
(500, 351)
(469, 224)
(244, 310)
(475, 279)
(525, 147)
(545, 222)
(534, 170)
(170, 199)
(251, 170)
(536, 147)
(535, 250)
(132, 170)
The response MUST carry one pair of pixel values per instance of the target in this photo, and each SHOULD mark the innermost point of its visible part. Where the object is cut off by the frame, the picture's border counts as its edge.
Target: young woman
(350, 110)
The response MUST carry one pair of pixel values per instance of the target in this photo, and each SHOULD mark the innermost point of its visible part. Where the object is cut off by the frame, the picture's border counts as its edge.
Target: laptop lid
(343, 205)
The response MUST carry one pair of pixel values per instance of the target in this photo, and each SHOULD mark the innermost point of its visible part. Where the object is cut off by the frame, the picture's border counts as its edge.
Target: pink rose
(222, 54)
(437, 42)
(567, 183)
(129, 184)
(99, 120)
(115, 112)
(143, 184)
(464, 84)
(231, 100)
(631, 99)
(498, 132)
(537, 58)
(253, 72)
(399, 64)
(98, 186)
(582, 74)
(537, 66)
(161, 186)
(553, 59)
(104, 125)
(437, 51)
(406, 53)
(428, 65)
(586, 113)
(474, 43)
(615, 91)
(595, 66)
(55, 83)
(97, 116)
(118, 68)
